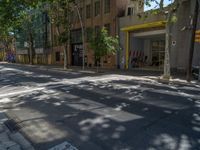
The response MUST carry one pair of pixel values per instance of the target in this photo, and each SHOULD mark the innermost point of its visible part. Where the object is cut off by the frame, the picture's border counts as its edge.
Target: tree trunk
(4, 53)
(6, 48)
(31, 49)
(65, 56)
(167, 72)
(194, 17)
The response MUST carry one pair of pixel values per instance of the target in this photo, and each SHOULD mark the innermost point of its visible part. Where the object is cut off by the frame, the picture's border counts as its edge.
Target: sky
(154, 5)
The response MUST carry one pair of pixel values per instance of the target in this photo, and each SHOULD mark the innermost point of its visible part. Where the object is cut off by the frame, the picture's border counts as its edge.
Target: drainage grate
(12, 125)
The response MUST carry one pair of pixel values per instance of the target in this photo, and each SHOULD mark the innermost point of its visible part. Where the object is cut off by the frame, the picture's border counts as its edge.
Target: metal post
(83, 37)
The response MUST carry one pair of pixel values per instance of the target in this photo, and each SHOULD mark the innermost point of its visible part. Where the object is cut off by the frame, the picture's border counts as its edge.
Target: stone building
(95, 14)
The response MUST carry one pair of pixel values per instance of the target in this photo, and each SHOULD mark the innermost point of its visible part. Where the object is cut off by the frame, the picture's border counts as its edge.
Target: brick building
(95, 14)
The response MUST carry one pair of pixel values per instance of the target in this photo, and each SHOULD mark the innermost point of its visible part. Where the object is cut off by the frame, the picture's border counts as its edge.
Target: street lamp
(83, 37)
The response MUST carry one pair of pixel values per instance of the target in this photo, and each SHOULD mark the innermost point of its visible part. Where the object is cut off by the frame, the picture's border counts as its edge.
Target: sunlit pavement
(100, 112)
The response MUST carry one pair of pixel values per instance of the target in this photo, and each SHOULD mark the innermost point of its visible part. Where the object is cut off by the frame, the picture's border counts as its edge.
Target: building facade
(95, 14)
(40, 29)
(142, 37)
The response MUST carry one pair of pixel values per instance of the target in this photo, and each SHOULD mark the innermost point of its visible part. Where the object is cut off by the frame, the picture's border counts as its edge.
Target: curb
(102, 72)
(15, 137)
(54, 69)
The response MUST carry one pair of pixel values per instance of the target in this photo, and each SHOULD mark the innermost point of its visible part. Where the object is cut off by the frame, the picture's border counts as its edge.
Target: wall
(180, 52)
(196, 56)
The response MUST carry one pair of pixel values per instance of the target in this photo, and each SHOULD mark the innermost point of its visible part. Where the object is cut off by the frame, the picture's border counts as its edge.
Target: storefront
(77, 54)
(145, 46)
(76, 48)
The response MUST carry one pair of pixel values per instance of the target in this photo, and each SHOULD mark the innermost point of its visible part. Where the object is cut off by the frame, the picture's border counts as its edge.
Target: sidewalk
(11, 140)
(177, 78)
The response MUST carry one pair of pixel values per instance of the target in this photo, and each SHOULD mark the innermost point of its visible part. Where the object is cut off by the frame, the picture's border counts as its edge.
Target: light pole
(83, 37)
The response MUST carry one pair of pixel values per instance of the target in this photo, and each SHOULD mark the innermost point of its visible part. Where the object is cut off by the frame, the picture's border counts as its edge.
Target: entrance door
(77, 52)
(158, 53)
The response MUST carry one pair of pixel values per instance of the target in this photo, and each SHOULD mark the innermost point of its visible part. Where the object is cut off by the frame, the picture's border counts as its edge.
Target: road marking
(63, 146)
(20, 92)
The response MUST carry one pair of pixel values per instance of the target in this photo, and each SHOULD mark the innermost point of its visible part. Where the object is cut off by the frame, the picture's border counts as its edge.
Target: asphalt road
(100, 111)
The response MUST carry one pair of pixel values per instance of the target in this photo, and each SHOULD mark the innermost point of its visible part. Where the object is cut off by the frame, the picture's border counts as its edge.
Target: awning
(144, 26)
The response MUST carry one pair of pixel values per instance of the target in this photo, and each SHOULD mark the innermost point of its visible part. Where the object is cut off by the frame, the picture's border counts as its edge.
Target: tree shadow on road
(101, 113)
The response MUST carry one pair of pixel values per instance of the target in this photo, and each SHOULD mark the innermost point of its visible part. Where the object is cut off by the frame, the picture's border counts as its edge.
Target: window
(97, 8)
(97, 30)
(106, 6)
(107, 27)
(88, 11)
(57, 56)
(131, 11)
(76, 36)
(55, 42)
(88, 33)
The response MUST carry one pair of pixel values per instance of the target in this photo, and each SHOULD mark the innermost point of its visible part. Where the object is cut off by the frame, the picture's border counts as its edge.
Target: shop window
(57, 56)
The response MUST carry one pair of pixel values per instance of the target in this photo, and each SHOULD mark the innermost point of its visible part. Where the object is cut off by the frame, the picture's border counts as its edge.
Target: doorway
(77, 55)
(158, 53)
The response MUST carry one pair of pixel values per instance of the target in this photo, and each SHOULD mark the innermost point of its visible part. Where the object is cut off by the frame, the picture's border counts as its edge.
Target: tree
(9, 20)
(103, 44)
(194, 19)
(6, 40)
(60, 12)
(16, 15)
(171, 16)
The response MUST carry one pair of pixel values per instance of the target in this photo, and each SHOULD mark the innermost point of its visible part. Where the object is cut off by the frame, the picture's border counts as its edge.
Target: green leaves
(103, 44)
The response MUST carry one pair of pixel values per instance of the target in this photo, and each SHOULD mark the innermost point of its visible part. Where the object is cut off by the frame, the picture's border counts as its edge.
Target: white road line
(20, 92)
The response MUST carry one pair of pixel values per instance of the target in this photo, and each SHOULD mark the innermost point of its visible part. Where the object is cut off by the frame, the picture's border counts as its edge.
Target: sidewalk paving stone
(11, 141)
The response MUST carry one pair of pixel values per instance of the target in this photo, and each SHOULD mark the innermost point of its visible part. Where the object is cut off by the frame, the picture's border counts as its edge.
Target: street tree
(9, 20)
(6, 40)
(17, 15)
(102, 44)
(60, 13)
(171, 16)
